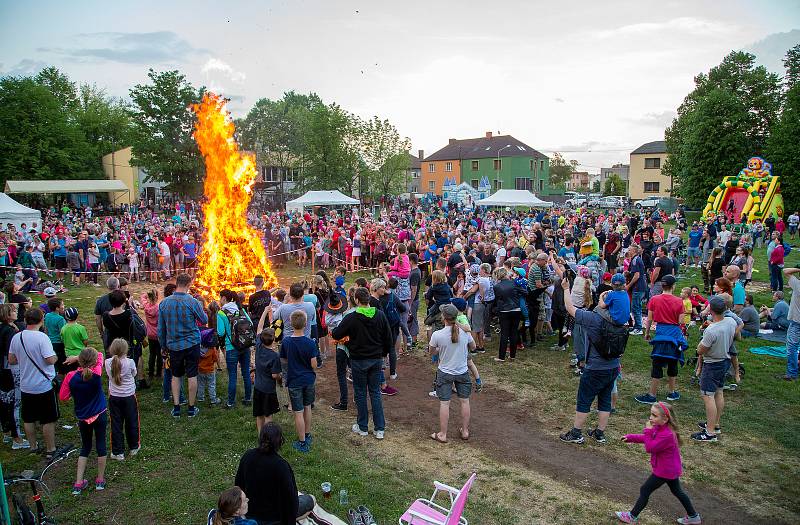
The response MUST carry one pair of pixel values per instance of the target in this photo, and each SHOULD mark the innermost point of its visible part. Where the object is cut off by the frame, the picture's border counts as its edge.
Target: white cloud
(215, 65)
(685, 25)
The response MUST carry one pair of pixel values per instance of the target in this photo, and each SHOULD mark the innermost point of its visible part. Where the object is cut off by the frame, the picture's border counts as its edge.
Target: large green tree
(614, 185)
(39, 136)
(385, 154)
(104, 121)
(748, 97)
(332, 150)
(561, 169)
(161, 136)
(783, 146)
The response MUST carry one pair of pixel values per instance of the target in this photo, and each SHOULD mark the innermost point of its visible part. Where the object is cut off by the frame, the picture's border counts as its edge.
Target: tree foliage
(723, 121)
(162, 131)
(385, 154)
(783, 146)
(614, 185)
(561, 169)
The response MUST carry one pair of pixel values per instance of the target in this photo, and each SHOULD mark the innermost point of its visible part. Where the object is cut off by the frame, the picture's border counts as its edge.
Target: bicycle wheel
(22, 511)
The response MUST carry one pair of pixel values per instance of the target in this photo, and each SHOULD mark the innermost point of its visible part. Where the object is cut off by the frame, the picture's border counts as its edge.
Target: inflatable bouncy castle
(753, 194)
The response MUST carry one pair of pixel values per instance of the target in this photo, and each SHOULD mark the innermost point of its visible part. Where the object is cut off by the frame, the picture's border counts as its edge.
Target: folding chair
(426, 512)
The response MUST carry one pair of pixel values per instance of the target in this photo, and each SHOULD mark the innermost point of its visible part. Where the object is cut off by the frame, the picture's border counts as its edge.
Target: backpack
(787, 249)
(391, 311)
(208, 339)
(243, 335)
(612, 341)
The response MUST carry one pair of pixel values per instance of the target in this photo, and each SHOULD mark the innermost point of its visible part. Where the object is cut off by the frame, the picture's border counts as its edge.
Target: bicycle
(21, 511)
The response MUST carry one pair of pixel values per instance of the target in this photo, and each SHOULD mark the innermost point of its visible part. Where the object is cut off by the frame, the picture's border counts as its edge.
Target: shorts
(444, 385)
(657, 372)
(189, 263)
(265, 404)
(61, 263)
(693, 252)
(301, 397)
(712, 377)
(599, 384)
(478, 316)
(792, 229)
(184, 362)
(39, 408)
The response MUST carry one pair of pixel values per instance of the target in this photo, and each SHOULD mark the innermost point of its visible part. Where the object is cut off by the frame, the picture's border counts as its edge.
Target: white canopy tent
(15, 213)
(320, 198)
(514, 198)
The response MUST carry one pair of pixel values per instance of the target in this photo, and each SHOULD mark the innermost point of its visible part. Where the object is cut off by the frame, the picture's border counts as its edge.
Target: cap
(607, 276)
(71, 313)
(475, 268)
(717, 304)
(448, 311)
(668, 280)
(520, 271)
(618, 278)
(459, 303)
(50, 292)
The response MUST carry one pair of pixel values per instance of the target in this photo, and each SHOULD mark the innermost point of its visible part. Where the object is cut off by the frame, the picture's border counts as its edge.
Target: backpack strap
(22, 341)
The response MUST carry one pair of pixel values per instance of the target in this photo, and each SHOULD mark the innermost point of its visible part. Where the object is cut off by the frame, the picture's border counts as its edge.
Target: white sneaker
(118, 457)
(433, 393)
(358, 430)
(378, 434)
(20, 446)
(393, 376)
(134, 451)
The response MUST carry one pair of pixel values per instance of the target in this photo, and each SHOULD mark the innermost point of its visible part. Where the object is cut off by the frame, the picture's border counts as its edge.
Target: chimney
(421, 154)
(452, 141)
(488, 134)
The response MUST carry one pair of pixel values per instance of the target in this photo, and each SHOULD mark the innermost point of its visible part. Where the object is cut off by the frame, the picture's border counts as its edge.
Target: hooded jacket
(368, 333)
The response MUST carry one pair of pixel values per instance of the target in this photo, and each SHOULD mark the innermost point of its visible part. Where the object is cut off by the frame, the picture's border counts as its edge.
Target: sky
(591, 79)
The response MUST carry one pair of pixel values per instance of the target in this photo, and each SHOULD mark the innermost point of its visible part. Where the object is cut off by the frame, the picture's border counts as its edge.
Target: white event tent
(15, 213)
(320, 198)
(514, 198)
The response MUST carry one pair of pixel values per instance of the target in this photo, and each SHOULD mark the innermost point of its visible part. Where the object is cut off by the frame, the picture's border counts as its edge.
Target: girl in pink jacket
(401, 267)
(662, 441)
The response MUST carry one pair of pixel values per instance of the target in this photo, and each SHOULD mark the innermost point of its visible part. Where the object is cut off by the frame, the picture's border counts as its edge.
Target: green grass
(185, 464)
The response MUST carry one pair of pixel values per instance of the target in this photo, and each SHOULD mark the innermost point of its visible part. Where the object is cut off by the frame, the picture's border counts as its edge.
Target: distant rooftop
(658, 146)
(485, 147)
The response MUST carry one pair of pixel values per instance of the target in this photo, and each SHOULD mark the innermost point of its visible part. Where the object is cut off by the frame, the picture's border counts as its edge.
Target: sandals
(435, 437)
(464, 436)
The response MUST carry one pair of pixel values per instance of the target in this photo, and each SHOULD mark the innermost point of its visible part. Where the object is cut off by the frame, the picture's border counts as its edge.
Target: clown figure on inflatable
(753, 194)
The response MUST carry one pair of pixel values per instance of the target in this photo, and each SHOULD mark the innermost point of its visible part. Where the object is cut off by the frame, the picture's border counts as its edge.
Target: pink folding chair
(426, 512)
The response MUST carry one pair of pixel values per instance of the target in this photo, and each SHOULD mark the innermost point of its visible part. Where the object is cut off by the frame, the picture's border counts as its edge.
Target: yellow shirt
(687, 311)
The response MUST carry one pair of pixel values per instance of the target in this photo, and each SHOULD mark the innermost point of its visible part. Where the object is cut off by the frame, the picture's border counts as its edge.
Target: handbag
(54, 381)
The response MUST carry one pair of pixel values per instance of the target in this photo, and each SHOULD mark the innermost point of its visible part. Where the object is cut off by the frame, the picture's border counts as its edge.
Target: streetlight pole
(498, 165)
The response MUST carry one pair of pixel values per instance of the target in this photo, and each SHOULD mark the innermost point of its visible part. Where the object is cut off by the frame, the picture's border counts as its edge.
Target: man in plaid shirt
(178, 332)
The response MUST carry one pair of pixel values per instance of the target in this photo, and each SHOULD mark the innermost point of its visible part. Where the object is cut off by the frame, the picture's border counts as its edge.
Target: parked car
(575, 202)
(649, 202)
(594, 202)
(612, 202)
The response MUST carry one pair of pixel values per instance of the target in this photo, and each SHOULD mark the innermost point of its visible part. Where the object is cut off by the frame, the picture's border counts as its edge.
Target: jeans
(242, 358)
(393, 351)
(207, 382)
(509, 332)
(413, 322)
(792, 342)
(366, 378)
(341, 375)
(404, 323)
(636, 308)
(775, 277)
(167, 386)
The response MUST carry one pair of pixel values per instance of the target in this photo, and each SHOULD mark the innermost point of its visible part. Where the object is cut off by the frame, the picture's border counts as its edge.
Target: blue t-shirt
(738, 293)
(619, 306)
(694, 238)
(780, 313)
(61, 251)
(637, 265)
(298, 352)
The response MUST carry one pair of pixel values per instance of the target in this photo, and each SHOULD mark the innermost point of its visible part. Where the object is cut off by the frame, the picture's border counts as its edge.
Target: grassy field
(184, 464)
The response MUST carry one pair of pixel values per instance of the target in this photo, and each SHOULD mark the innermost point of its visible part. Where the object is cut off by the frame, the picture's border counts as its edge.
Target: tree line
(52, 128)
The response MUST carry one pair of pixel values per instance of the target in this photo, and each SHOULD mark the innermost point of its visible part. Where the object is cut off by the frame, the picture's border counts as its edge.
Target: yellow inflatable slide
(753, 194)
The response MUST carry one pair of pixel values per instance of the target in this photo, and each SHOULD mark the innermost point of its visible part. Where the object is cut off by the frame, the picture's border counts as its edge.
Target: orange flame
(232, 252)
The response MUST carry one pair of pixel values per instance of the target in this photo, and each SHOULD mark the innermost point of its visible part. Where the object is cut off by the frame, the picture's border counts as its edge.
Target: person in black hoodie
(268, 481)
(369, 341)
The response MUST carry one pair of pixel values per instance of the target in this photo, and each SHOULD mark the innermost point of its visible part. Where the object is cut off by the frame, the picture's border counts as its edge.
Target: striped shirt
(178, 316)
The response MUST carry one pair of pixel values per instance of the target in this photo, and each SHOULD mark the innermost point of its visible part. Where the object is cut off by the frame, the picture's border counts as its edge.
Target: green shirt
(73, 335)
(53, 322)
(462, 319)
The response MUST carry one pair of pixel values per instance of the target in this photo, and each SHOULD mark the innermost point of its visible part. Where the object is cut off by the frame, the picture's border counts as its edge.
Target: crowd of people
(445, 280)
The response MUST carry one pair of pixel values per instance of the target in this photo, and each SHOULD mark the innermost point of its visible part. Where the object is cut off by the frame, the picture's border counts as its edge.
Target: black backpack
(243, 336)
(612, 341)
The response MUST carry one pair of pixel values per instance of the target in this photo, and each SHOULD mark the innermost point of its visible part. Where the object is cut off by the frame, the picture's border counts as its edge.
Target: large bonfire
(232, 252)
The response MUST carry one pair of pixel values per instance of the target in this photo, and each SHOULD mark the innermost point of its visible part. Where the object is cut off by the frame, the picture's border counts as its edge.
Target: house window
(498, 164)
(652, 163)
(414, 174)
(533, 164)
(431, 185)
(523, 183)
(541, 165)
(651, 187)
(474, 183)
(431, 167)
(541, 185)
(448, 166)
(498, 184)
(474, 165)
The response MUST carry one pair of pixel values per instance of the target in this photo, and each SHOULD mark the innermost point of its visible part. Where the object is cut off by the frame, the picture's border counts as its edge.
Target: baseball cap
(669, 280)
(71, 313)
(50, 292)
(717, 304)
(618, 278)
(607, 276)
(448, 311)
(459, 303)
(520, 271)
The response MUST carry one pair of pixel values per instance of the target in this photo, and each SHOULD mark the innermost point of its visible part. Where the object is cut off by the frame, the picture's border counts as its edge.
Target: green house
(503, 161)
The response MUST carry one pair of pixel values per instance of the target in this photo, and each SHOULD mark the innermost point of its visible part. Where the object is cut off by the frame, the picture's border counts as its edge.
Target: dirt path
(505, 431)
